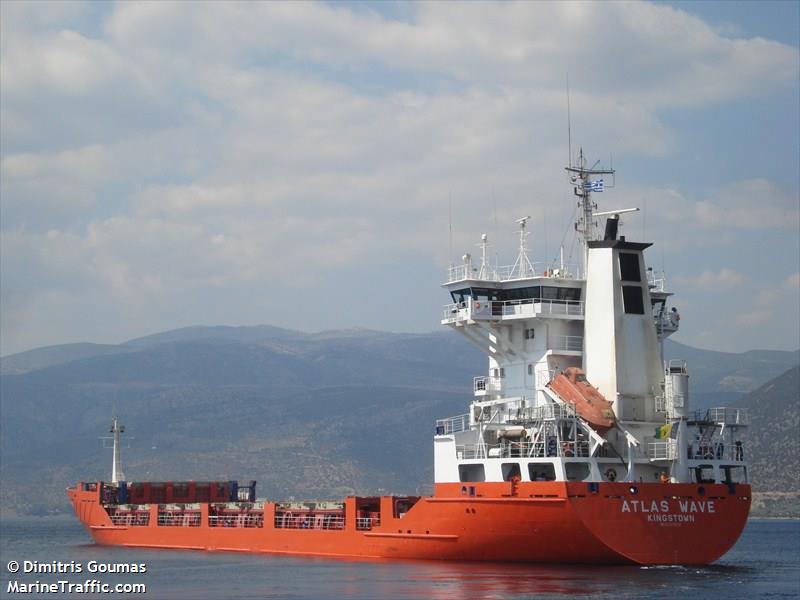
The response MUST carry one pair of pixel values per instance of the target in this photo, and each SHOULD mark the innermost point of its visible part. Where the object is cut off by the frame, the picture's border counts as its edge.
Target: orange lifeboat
(589, 403)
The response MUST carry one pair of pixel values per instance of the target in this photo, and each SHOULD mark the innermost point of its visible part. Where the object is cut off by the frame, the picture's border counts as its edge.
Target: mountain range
(307, 415)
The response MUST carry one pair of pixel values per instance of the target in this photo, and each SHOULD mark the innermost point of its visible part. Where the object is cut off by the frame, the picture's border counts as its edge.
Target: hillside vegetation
(307, 415)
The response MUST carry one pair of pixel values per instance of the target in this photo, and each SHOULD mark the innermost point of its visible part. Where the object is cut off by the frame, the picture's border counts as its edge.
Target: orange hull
(536, 522)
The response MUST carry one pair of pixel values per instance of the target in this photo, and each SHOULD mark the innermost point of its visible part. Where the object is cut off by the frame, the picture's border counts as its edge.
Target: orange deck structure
(541, 522)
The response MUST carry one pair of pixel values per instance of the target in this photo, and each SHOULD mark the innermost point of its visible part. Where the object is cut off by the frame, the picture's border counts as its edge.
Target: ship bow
(664, 524)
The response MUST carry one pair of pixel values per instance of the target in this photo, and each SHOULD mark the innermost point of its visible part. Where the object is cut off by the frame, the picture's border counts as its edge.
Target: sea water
(765, 563)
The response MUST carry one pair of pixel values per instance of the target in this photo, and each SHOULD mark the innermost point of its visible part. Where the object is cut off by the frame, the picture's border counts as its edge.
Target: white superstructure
(610, 321)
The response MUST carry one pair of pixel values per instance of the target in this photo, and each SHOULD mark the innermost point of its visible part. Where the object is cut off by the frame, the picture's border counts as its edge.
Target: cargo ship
(579, 445)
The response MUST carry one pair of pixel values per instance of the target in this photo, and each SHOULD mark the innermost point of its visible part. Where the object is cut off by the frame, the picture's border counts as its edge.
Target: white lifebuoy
(610, 474)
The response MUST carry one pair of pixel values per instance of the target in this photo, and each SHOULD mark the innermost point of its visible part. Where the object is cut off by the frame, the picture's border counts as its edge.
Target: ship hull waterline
(525, 522)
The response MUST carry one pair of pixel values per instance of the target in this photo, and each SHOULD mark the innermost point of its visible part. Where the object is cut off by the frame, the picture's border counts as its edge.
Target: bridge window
(561, 293)
(735, 474)
(510, 470)
(632, 299)
(471, 473)
(704, 474)
(577, 471)
(629, 267)
(460, 296)
(541, 471)
(547, 292)
(525, 293)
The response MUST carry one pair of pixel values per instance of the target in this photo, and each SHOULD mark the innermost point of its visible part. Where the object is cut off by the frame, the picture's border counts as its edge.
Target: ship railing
(665, 450)
(367, 523)
(472, 451)
(725, 415)
(178, 519)
(568, 343)
(545, 376)
(243, 520)
(661, 403)
(676, 366)
(538, 449)
(525, 307)
(656, 283)
(461, 272)
(131, 519)
(508, 272)
(548, 412)
(308, 521)
(540, 269)
(666, 323)
(454, 312)
(716, 451)
(552, 448)
(452, 424)
(530, 307)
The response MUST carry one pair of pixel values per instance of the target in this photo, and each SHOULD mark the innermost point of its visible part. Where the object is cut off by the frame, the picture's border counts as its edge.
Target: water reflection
(765, 562)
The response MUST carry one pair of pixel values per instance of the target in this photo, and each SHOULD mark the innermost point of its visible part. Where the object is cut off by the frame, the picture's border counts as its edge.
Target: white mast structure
(116, 466)
(583, 187)
(522, 266)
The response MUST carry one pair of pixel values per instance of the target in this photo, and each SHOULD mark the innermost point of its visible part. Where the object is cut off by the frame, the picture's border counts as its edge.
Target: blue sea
(765, 563)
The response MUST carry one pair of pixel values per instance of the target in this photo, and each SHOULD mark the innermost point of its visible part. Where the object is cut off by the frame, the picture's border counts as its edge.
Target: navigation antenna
(584, 184)
(569, 125)
(522, 266)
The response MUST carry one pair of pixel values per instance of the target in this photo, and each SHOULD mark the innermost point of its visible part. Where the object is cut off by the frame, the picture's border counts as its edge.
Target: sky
(318, 166)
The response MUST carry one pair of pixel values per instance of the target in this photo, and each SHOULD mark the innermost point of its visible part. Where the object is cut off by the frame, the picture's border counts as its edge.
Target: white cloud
(751, 204)
(723, 279)
(166, 150)
(771, 301)
(65, 62)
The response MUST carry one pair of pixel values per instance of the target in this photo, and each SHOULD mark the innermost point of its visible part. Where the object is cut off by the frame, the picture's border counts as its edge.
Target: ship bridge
(527, 316)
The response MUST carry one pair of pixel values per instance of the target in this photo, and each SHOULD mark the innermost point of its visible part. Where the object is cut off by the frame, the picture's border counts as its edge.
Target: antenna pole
(116, 467)
(522, 267)
(484, 270)
(450, 226)
(582, 185)
(494, 208)
(569, 126)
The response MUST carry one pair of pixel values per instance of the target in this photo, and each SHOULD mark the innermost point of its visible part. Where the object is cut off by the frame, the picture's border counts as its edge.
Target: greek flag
(593, 186)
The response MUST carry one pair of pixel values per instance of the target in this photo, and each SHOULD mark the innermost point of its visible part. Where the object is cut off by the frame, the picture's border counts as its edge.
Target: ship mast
(522, 266)
(583, 186)
(116, 467)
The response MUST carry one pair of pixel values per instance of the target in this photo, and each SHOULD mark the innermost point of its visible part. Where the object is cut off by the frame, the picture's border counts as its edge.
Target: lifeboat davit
(589, 403)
